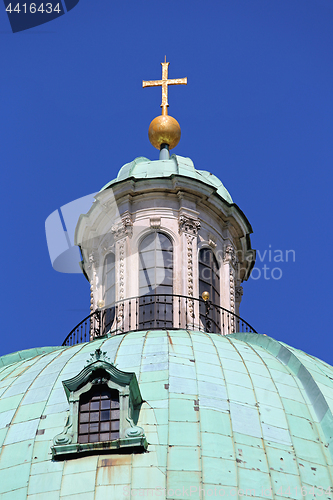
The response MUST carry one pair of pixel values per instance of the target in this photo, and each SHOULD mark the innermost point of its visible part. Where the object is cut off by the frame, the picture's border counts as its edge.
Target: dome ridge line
(297, 368)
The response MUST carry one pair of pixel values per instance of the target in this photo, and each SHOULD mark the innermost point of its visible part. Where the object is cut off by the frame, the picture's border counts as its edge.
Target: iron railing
(81, 332)
(158, 312)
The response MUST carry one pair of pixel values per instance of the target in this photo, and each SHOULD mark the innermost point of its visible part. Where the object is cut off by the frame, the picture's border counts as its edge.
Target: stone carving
(134, 430)
(93, 260)
(232, 297)
(188, 224)
(92, 274)
(120, 230)
(107, 244)
(93, 265)
(189, 253)
(239, 293)
(121, 267)
(121, 279)
(92, 319)
(123, 228)
(155, 222)
(230, 255)
(98, 355)
(66, 436)
(212, 243)
(127, 219)
(230, 258)
(92, 295)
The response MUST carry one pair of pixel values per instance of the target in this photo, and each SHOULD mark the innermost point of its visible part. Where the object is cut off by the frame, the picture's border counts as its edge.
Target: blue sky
(257, 112)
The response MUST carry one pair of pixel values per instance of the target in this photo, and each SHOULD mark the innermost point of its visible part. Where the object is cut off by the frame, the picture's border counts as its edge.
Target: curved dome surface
(237, 414)
(143, 168)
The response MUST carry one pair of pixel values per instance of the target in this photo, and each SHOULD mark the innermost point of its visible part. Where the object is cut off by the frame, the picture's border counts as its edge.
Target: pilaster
(230, 273)
(121, 232)
(188, 230)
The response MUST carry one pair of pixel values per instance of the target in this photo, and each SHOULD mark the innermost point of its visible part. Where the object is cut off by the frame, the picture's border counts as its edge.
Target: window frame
(143, 264)
(91, 406)
(109, 312)
(209, 283)
(156, 303)
(213, 315)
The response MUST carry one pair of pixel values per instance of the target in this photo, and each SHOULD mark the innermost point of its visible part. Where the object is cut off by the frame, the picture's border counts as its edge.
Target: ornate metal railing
(82, 331)
(158, 312)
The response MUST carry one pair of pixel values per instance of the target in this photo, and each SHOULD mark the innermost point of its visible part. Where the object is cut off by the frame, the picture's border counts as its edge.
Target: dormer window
(104, 409)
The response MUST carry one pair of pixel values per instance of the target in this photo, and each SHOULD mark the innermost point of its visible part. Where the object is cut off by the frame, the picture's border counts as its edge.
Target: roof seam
(283, 406)
(260, 423)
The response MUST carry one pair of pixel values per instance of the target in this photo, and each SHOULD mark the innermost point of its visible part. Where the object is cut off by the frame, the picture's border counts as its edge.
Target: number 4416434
(32, 8)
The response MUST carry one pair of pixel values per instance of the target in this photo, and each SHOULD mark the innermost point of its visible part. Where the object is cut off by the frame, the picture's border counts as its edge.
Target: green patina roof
(240, 411)
(143, 168)
(9, 359)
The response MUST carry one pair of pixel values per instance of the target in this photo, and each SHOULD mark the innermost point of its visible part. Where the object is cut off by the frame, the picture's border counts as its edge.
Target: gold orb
(164, 130)
(100, 304)
(205, 296)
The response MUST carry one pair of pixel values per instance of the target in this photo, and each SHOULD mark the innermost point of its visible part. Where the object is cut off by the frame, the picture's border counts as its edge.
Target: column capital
(188, 224)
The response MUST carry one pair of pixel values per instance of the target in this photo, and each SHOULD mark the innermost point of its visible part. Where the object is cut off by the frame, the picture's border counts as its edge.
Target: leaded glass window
(99, 415)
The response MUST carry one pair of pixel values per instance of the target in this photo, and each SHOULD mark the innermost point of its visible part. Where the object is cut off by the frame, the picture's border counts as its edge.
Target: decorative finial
(98, 355)
(164, 130)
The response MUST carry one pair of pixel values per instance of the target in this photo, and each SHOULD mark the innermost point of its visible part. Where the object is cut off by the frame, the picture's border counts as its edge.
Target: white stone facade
(189, 212)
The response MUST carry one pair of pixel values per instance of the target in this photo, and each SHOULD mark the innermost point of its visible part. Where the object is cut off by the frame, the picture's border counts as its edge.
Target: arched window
(155, 281)
(209, 281)
(109, 296)
(99, 415)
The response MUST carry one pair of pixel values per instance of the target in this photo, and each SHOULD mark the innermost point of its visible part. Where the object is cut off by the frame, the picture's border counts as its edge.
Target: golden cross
(164, 84)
